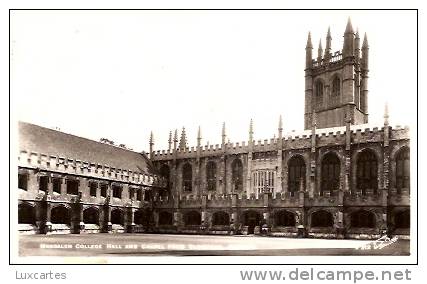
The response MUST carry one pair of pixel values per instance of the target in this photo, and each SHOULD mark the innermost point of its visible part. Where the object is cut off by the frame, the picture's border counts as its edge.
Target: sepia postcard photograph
(213, 136)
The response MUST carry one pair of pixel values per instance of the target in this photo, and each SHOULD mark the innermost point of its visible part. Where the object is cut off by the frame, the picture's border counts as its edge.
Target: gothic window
(322, 219)
(104, 188)
(72, 187)
(402, 220)
(263, 180)
(165, 173)
(237, 175)
(363, 219)
(296, 173)
(132, 193)
(91, 216)
(56, 183)
(284, 218)
(23, 181)
(336, 90)
(92, 188)
(402, 169)
(330, 173)
(141, 218)
(211, 175)
(60, 215)
(187, 177)
(117, 217)
(139, 194)
(319, 94)
(117, 191)
(367, 171)
(220, 219)
(43, 183)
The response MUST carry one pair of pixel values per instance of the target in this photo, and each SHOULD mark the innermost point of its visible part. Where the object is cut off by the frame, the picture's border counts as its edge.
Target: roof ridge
(81, 137)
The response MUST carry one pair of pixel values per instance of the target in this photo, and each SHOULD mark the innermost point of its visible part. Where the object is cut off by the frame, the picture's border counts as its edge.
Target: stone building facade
(69, 184)
(350, 181)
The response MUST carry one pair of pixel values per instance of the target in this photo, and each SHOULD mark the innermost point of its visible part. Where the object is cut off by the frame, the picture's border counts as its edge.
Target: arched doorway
(402, 220)
(165, 218)
(91, 216)
(26, 214)
(117, 217)
(363, 219)
(60, 215)
(251, 219)
(220, 218)
(192, 218)
(141, 218)
(284, 218)
(322, 219)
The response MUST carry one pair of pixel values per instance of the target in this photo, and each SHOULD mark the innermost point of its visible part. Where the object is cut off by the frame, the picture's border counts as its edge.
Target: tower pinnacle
(223, 133)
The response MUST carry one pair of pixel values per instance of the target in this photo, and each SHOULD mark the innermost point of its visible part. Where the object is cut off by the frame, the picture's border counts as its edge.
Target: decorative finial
(183, 140)
(349, 27)
(365, 41)
(151, 138)
(309, 44)
(223, 133)
(170, 140)
(199, 136)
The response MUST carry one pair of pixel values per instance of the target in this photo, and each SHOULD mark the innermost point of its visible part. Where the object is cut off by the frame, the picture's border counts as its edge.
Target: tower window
(336, 90)
(319, 94)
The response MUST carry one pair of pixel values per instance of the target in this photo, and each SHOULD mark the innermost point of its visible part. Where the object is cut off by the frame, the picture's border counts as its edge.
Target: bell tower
(336, 84)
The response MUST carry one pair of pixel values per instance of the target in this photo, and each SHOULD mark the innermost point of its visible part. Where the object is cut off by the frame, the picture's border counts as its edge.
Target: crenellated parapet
(70, 166)
(324, 137)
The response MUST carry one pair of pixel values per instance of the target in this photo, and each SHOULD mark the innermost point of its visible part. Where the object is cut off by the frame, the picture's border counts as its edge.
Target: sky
(121, 74)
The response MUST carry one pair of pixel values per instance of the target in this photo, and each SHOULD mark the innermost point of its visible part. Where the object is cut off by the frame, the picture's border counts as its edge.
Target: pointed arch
(402, 169)
(296, 173)
(91, 216)
(330, 173)
(367, 171)
(211, 176)
(187, 177)
(237, 175)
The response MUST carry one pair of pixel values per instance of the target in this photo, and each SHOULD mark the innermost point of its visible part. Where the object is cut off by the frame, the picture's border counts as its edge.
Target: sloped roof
(47, 141)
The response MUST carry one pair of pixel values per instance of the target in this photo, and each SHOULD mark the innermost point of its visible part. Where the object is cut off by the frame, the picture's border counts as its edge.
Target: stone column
(130, 226)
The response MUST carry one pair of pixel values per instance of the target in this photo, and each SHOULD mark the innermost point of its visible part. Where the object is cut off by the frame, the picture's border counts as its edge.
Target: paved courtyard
(196, 245)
